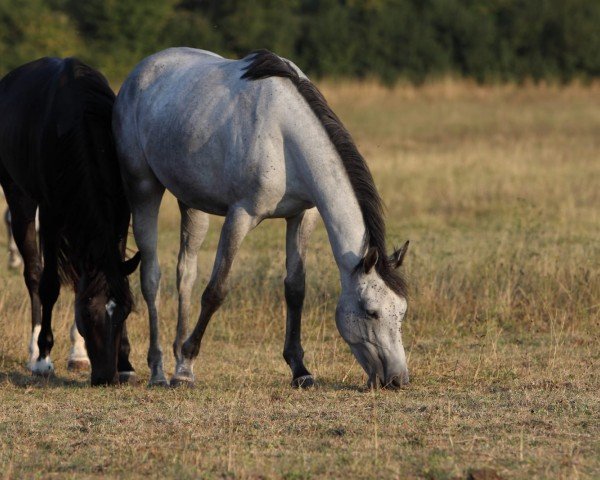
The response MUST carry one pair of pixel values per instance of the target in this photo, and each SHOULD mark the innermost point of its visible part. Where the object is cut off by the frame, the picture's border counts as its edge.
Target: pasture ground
(498, 190)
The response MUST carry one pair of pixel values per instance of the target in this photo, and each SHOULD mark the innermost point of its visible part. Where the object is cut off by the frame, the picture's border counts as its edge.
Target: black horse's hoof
(159, 382)
(305, 381)
(78, 365)
(129, 378)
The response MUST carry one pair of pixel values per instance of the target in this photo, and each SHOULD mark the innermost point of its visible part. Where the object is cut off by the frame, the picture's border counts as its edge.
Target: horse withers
(253, 139)
(57, 152)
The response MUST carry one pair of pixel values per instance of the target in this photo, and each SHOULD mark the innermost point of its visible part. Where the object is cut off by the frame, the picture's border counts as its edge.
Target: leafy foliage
(488, 40)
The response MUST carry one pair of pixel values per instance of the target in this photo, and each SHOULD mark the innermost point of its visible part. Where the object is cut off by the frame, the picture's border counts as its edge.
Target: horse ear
(370, 259)
(129, 266)
(397, 257)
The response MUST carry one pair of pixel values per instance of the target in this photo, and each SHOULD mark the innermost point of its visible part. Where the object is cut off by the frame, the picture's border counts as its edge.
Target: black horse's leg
(126, 371)
(22, 210)
(14, 258)
(299, 229)
(124, 367)
(49, 291)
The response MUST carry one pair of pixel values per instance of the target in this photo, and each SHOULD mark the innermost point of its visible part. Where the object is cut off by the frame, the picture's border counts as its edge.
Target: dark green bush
(488, 40)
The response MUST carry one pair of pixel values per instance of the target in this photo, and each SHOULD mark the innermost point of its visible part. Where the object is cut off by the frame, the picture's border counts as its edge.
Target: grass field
(498, 190)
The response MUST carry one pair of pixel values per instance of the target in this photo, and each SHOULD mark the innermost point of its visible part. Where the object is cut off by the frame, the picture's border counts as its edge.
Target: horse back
(209, 136)
(42, 104)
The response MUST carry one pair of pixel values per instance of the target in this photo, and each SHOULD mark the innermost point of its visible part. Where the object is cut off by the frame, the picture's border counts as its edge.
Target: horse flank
(263, 64)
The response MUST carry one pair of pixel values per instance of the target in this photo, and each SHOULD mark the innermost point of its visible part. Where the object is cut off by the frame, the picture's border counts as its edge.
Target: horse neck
(336, 201)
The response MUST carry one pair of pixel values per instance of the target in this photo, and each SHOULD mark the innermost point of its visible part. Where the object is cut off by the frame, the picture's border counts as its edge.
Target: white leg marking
(78, 353)
(43, 366)
(34, 351)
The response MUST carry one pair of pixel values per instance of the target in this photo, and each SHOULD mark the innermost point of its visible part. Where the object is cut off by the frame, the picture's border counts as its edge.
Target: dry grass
(497, 188)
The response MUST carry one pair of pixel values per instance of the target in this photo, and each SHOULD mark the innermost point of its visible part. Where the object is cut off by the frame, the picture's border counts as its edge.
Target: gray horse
(249, 140)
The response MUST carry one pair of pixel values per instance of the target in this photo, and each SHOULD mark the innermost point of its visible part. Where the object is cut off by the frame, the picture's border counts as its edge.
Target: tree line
(414, 40)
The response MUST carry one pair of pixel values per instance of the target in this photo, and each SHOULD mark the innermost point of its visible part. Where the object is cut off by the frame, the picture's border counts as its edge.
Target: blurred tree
(29, 30)
(119, 33)
(489, 40)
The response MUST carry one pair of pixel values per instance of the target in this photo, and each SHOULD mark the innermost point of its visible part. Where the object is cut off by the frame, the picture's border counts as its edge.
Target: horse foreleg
(238, 223)
(78, 358)
(126, 371)
(194, 225)
(145, 200)
(298, 232)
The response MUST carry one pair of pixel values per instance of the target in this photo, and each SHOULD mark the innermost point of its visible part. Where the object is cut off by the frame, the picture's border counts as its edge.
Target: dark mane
(83, 186)
(263, 64)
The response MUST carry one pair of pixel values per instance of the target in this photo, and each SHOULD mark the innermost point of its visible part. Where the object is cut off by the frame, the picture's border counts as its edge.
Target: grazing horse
(57, 152)
(78, 358)
(249, 140)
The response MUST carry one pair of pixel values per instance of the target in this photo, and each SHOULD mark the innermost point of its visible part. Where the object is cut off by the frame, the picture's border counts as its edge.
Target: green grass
(497, 189)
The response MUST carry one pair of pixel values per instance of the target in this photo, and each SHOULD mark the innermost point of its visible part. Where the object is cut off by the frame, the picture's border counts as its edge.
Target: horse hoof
(182, 382)
(305, 381)
(129, 378)
(158, 382)
(78, 365)
(43, 368)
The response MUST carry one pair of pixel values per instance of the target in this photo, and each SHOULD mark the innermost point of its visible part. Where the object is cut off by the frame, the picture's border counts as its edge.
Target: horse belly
(212, 182)
(194, 184)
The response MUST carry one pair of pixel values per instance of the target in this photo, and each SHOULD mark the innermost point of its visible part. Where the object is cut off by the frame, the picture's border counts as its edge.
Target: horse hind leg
(298, 232)
(23, 229)
(14, 258)
(194, 225)
(238, 223)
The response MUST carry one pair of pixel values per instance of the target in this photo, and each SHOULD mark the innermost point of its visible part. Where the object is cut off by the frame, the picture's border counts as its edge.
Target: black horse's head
(102, 304)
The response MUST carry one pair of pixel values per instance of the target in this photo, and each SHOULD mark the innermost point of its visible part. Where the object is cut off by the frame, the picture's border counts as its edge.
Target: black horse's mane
(263, 64)
(82, 184)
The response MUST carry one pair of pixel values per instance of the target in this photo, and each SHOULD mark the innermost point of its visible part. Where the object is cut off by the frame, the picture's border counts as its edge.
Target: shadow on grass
(22, 378)
(324, 384)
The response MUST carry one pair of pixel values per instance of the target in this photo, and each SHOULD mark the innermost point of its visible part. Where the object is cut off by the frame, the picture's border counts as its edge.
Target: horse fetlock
(294, 357)
(185, 368)
(154, 357)
(184, 375)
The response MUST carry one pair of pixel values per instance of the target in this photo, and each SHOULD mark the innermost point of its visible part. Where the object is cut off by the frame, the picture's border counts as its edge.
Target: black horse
(57, 152)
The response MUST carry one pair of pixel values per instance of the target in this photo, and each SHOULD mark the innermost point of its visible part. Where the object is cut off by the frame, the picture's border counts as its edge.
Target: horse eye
(373, 314)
